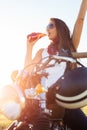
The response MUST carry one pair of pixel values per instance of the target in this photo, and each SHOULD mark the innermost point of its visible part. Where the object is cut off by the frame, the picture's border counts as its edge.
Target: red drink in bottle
(33, 36)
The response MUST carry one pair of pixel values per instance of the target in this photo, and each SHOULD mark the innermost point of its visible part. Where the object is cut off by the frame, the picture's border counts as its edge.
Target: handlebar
(42, 65)
(79, 54)
(72, 59)
(44, 62)
(63, 58)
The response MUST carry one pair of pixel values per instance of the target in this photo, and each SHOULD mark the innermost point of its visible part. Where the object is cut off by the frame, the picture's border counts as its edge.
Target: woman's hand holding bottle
(34, 37)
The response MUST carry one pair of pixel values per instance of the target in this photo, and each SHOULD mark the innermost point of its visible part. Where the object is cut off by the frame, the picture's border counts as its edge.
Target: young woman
(75, 38)
(59, 34)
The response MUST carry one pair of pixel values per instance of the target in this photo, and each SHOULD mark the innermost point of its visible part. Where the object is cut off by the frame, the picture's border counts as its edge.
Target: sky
(18, 18)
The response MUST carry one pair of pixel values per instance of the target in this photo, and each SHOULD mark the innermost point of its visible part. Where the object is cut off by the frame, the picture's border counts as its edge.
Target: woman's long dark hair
(65, 41)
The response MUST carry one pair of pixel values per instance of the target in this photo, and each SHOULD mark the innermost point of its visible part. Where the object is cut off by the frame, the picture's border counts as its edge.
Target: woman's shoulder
(40, 51)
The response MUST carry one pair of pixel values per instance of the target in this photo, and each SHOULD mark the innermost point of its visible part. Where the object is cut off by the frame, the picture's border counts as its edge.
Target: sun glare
(12, 53)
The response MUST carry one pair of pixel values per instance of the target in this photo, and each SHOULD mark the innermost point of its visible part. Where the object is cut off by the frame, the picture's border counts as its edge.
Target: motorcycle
(37, 112)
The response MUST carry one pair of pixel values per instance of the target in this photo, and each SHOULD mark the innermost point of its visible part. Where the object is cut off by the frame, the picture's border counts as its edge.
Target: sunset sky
(18, 18)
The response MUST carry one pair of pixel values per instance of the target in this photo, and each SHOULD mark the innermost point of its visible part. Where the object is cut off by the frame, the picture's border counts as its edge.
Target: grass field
(4, 122)
(85, 110)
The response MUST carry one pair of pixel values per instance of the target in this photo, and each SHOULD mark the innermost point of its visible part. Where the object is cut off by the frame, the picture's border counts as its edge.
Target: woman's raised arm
(79, 24)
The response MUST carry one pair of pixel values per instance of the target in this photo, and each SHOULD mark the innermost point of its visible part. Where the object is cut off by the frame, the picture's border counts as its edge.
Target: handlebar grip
(79, 54)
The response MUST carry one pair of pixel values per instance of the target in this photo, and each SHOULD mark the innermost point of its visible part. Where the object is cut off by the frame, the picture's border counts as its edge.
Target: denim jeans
(75, 119)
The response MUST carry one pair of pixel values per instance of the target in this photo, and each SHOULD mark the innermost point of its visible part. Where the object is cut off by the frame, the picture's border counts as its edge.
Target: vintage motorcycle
(69, 91)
